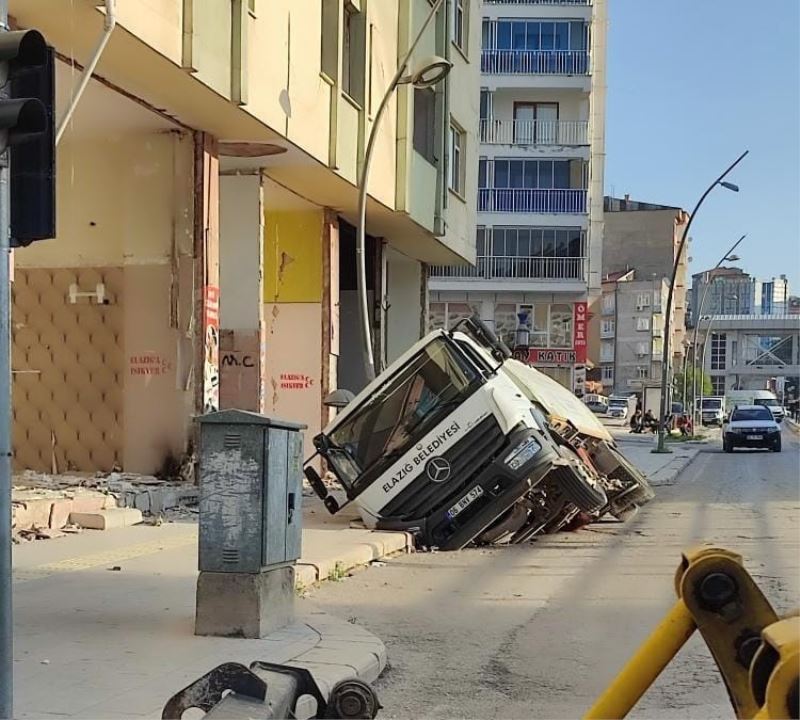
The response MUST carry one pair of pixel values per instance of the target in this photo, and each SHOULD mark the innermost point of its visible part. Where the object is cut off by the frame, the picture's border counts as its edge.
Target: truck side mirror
(316, 483)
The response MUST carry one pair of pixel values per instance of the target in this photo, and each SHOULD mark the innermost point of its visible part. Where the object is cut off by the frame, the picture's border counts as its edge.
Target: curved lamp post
(668, 311)
(729, 256)
(428, 73)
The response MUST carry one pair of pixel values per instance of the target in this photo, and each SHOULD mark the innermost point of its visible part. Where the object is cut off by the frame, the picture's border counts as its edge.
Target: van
(755, 397)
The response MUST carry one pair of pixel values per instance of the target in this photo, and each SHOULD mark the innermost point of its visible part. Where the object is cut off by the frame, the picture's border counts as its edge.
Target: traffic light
(27, 129)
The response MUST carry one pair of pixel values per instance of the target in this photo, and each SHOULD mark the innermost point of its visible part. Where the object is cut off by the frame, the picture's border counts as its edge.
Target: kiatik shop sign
(565, 356)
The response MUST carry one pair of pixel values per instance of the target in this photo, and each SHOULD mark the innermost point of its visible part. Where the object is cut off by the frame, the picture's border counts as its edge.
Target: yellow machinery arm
(757, 654)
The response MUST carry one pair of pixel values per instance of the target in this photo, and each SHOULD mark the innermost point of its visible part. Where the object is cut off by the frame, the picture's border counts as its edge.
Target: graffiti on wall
(211, 355)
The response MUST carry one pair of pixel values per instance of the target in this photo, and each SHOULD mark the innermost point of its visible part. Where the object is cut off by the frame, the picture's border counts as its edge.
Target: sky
(691, 85)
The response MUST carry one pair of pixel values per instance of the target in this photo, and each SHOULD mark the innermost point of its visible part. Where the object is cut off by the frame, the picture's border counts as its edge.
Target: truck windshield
(712, 403)
(766, 402)
(402, 410)
(614, 402)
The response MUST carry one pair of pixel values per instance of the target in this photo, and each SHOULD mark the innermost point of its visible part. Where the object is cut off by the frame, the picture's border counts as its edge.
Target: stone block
(247, 605)
(107, 519)
(59, 513)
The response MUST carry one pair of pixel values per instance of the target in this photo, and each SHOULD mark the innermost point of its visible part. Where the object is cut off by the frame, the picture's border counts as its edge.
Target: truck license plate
(755, 437)
(465, 501)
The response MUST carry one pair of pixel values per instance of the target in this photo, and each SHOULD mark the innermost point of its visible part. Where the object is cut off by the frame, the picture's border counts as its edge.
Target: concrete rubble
(47, 506)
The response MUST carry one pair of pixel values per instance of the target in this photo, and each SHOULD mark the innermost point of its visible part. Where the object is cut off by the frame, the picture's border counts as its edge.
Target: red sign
(579, 343)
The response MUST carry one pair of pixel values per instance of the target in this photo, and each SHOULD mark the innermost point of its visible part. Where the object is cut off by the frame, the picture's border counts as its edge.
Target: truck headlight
(522, 453)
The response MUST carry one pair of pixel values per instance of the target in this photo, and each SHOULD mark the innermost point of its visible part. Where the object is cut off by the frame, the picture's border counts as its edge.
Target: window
(458, 139)
(642, 348)
(719, 342)
(533, 174)
(643, 323)
(608, 374)
(607, 327)
(425, 123)
(486, 104)
(643, 300)
(459, 29)
(642, 372)
(353, 53)
(718, 384)
(445, 315)
(561, 326)
(407, 406)
(607, 352)
(330, 38)
(609, 303)
(658, 347)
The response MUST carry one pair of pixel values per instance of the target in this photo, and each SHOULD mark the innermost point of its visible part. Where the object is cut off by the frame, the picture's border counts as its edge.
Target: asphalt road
(538, 631)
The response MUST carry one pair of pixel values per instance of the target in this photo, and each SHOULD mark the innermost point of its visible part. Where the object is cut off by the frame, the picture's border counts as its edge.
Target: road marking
(108, 557)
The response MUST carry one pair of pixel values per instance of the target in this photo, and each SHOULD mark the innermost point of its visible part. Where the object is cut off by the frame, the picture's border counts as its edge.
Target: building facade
(646, 237)
(540, 182)
(631, 332)
(207, 196)
(752, 352)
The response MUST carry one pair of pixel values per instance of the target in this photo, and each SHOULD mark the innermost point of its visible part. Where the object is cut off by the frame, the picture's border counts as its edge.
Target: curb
(686, 461)
(792, 425)
(374, 546)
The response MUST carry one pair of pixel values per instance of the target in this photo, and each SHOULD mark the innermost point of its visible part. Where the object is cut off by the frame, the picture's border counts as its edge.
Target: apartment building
(207, 189)
(732, 291)
(631, 331)
(646, 236)
(540, 182)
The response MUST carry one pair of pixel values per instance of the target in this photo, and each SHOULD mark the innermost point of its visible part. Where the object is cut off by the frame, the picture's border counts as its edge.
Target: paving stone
(107, 519)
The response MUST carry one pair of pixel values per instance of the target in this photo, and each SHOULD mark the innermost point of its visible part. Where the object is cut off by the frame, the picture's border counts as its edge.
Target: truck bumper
(496, 489)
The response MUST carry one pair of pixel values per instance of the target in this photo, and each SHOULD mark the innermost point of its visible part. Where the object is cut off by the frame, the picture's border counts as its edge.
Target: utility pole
(27, 214)
(6, 619)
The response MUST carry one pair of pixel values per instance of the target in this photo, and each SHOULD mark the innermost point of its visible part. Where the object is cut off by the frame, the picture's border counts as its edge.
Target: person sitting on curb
(636, 421)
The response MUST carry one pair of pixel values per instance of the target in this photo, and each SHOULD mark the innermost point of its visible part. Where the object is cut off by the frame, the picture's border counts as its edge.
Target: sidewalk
(104, 627)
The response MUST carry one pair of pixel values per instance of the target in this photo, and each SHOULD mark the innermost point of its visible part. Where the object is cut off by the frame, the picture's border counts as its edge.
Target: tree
(704, 386)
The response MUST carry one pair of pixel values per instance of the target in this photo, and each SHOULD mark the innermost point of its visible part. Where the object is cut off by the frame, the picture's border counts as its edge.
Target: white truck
(711, 410)
(621, 407)
(755, 397)
(447, 444)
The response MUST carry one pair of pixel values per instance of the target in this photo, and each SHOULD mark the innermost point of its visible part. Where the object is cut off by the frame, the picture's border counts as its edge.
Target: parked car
(751, 426)
(598, 404)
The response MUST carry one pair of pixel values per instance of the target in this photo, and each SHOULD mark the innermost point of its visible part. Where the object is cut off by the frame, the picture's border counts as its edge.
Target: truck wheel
(578, 488)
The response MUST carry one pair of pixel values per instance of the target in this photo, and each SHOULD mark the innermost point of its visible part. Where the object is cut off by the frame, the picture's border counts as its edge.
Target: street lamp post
(430, 72)
(727, 257)
(661, 448)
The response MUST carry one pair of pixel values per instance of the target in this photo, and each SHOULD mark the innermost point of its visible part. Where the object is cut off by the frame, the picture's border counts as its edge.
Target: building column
(241, 338)
(206, 274)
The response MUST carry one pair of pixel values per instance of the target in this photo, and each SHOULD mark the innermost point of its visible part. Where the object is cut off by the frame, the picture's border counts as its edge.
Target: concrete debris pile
(48, 506)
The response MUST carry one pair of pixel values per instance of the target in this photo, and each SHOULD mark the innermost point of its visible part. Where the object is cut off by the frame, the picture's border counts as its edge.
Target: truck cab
(447, 446)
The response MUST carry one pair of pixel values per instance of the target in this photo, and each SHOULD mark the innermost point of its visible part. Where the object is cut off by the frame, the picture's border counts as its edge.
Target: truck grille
(467, 458)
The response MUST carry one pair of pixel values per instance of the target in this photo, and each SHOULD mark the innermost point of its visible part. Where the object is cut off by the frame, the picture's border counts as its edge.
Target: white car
(751, 426)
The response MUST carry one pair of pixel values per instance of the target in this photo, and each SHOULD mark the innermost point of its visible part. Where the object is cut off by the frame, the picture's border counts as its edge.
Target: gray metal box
(250, 471)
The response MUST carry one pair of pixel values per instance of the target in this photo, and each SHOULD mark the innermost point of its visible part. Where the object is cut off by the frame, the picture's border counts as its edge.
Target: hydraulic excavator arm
(757, 654)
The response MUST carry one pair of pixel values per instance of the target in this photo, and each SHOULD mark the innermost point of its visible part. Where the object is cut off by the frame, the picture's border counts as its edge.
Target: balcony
(517, 268)
(534, 132)
(530, 200)
(535, 62)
